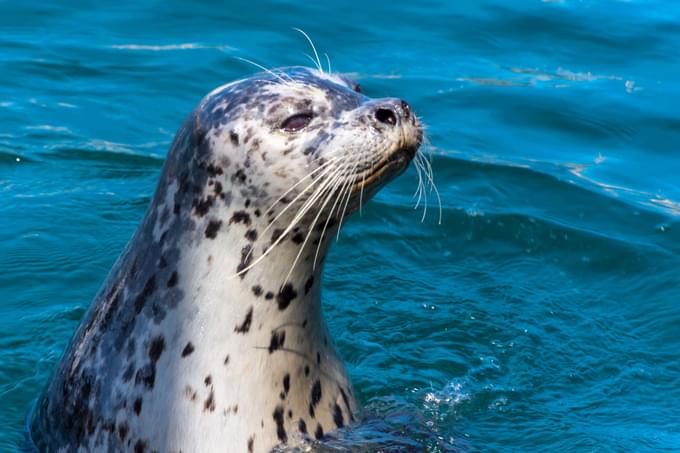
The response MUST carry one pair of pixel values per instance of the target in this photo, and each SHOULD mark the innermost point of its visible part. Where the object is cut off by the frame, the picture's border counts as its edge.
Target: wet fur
(190, 345)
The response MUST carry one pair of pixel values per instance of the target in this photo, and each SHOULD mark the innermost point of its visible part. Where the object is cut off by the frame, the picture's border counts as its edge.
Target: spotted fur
(194, 342)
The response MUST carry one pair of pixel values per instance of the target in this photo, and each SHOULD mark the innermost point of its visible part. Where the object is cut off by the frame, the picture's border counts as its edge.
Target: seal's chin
(388, 168)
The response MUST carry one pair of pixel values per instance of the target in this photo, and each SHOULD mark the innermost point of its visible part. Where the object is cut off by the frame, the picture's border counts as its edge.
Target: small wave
(49, 127)
(563, 74)
(643, 197)
(527, 77)
(167, 47)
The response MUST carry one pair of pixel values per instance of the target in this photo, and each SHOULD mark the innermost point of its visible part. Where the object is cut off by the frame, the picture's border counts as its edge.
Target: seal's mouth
(389, 167)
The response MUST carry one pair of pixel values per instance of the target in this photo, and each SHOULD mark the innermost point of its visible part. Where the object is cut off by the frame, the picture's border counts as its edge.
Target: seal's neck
(253, 335)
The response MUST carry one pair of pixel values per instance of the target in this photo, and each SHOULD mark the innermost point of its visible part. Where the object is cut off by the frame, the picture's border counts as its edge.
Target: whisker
(418, 192)
(309, 175)
(349, 194)
(330, 216)
(297, 197)
(311, 229)
(301, 212)
(267, 70)
(310, 58)
(311, 43)
(429, 174)
(422, 191)
(328, 60)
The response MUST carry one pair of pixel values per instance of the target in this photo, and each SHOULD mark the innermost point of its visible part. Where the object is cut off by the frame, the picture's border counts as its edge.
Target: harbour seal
(208, 333)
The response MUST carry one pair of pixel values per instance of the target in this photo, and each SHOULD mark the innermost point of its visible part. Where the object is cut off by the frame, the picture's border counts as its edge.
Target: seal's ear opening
(351, 84)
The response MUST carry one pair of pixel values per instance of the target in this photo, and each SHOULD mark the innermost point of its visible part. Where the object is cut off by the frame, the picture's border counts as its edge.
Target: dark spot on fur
(203, 205)
(172, 281)
(319, 432)
(276, 234)
(286, 383)
(226, 360)
(298, 238)
(251, 441)
(146, 376)
(280, 430)
(146, 292)
(277, 340)
(140, 446)
(208, 380)
(137, 406)
(257, 290)
(239, 176)
(245, 325)
(285, 296)
(214, 170)
(246, 259)
(290, 413)
(123, 430)
(212, 228)
(188, 349)
(240, 217)
(251, 235)
(309, 283)
(337, 416)
(209, 404)
(258, 213)
(302, 426)
(304, 324)
(233, 136)
(346, 401)
(306, 370)
(316, 393)
(156, 349)
(190, 393)
(269, 295)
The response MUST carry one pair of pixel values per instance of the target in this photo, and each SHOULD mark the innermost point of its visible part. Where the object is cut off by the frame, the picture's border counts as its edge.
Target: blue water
(543, 314)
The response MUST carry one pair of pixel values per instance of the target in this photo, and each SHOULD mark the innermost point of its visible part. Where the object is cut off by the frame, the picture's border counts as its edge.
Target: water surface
(543, 314)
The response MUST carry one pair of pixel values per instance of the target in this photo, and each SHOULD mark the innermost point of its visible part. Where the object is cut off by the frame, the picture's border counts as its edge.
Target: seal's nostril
(406, 108)
(386, 116)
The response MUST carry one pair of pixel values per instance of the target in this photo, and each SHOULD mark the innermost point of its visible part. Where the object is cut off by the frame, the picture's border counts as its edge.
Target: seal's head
(315, 134)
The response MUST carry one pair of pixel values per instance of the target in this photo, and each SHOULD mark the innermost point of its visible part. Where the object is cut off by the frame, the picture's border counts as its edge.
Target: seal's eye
(357, 88)
(296, 122)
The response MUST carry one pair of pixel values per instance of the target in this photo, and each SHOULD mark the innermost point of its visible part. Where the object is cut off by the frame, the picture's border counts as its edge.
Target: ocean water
(542, 314)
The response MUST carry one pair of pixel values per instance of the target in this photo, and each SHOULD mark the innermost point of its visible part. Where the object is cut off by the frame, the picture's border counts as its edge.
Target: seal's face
(308, 138)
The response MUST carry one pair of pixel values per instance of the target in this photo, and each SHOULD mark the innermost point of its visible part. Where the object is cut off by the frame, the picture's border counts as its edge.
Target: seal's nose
(391, 111)
(386, 115)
